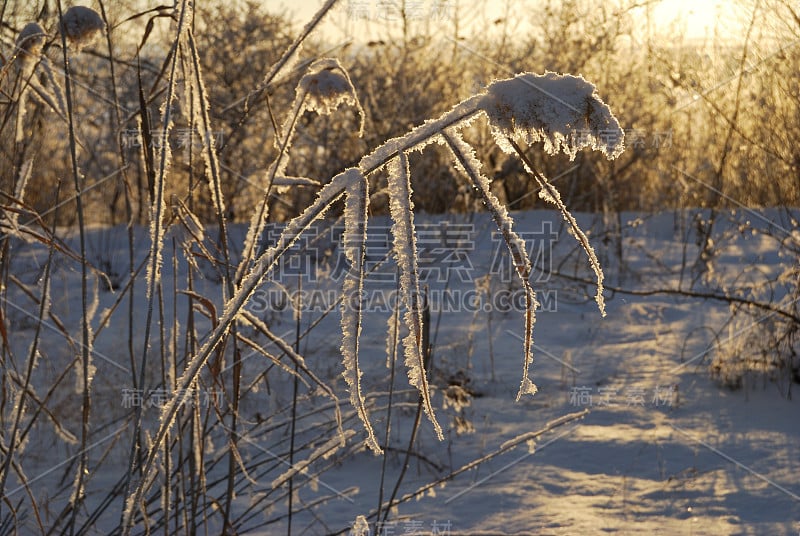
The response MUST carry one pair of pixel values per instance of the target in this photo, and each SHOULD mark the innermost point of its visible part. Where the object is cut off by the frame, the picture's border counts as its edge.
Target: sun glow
(697, 19)
(365, 20)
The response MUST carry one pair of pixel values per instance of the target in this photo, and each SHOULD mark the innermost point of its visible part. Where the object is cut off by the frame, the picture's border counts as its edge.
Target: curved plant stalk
(85, 374)
(549, 193)
(157, 209)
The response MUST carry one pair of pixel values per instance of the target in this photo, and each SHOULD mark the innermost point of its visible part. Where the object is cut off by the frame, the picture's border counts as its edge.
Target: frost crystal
(562, 110)
(360, 527)
(81, 26)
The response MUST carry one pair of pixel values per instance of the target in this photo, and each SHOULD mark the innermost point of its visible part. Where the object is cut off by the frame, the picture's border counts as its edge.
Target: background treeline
(709, 123)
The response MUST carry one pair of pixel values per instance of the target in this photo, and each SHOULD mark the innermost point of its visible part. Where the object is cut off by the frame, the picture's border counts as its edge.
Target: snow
(326, 86)
(562, 110)
(662, 448)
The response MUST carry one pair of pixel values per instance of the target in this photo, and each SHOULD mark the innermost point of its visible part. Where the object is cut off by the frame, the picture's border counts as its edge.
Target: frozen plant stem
(212, 167)
(391, 351)
(77, 495)
(298, 317)
(552, 195)
(401, 208)
(355, 247)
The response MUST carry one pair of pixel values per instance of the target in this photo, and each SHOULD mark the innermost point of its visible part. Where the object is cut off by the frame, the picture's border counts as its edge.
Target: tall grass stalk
(156, 245)
(85, 358)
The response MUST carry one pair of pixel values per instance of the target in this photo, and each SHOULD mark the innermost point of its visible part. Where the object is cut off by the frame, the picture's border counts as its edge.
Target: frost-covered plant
(527, 106)
(327, 85)
(29, 47)
(563, 111)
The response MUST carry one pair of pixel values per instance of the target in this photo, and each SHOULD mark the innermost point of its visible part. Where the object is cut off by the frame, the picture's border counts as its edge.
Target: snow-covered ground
(659, 446)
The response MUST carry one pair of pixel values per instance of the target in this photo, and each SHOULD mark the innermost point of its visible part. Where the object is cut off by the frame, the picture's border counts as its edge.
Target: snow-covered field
(655, 445)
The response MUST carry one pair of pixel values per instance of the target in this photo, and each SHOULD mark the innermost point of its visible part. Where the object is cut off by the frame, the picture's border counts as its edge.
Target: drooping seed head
(327, 85)
(30, 42)
(81, 26)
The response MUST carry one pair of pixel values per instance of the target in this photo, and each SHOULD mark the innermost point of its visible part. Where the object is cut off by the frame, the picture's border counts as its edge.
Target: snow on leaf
(157, 209)
(401, 208)
(391, 338)
(564, 111)
(328, 85)
(91, 311)
(9, 219)
(295, 181)
(354, 238)
(30, 42)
